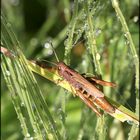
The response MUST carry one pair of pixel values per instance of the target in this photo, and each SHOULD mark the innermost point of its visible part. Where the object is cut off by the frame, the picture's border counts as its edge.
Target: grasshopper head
(62, 67)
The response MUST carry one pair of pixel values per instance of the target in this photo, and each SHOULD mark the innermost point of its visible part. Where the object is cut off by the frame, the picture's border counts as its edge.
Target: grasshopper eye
(59, 68)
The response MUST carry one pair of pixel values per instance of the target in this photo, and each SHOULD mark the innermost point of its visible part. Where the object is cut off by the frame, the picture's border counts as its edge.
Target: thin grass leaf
(27, 90)
(132, 47)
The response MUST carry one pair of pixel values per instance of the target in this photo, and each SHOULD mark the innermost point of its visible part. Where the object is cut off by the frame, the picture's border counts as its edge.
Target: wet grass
(92, 37)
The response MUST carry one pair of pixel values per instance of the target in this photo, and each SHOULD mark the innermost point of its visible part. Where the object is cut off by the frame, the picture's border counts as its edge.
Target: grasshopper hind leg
(88, 103)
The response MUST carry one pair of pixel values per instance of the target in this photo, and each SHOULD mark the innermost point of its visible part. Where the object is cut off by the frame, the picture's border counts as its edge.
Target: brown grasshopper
(84, 87)
(88, 92)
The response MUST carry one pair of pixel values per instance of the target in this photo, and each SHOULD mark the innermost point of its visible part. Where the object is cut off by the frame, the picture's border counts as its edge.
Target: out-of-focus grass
(36, 22)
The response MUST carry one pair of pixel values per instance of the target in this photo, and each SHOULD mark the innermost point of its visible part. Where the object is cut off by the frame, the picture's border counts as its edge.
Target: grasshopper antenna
(47, 61)
(54, 51)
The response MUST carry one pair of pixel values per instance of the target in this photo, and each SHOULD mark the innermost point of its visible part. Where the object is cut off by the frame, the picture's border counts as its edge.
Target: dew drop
(84, 16)
(135, 56)
(98, 32)
(35, 131)
(7, 73)
(111, 41)
(84, 63)
(59, 110)
(47, 45)
(50, 52)
(135, 18)
(125, 35)
(27, 135)
(98, 56)
(22, 125)
(50, 136)
(86, 28)
(66, 42)
(127, 42)
(118, 16)
(22, 104)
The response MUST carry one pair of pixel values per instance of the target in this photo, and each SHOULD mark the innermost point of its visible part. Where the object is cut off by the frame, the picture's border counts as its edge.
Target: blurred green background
(36, 22)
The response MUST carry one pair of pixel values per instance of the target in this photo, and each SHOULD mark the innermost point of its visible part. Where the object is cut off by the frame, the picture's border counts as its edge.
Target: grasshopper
(87, 91)
(85, 88)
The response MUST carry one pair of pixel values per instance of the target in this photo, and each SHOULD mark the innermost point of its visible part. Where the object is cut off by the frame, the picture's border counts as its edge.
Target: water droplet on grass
(135, 18)
(27, 135)
(22, 125)
(98, 56)
(98, 32)
(47, 45)
(35, 131)
(127, 42)
(22, 104)
(7, 73)
(111, 41)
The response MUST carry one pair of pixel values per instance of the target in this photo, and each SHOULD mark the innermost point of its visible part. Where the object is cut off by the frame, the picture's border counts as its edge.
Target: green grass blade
(23, 83)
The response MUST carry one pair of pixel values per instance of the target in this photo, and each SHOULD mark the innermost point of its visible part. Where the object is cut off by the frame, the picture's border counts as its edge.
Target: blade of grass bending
(28, 89)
